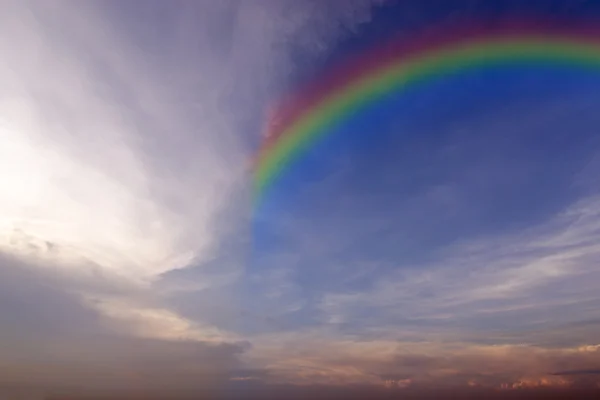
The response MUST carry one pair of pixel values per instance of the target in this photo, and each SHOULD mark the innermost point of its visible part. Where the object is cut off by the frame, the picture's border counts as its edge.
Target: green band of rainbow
(299, 135)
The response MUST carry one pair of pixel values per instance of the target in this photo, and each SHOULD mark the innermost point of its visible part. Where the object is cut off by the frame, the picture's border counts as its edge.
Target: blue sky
(446, 237)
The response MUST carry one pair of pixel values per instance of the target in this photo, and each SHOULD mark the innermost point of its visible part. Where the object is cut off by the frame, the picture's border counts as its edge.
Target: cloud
(54, 338)
(507, 283)
(289, 31)
(76, 143)
(120, 145)
(327, 358)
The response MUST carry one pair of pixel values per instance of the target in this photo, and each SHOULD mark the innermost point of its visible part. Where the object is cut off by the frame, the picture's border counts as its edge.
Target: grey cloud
(34, 303)
(51, 338)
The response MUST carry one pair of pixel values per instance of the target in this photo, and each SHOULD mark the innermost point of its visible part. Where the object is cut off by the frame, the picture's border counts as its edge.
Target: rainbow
(299, 121)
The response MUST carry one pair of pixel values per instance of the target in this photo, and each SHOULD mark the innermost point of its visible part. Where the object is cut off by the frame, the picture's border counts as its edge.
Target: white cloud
(73, 172)
(121, 154)
(116, 154)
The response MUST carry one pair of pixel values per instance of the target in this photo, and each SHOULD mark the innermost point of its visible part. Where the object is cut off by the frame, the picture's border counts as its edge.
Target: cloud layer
(122, 131)
(125, 225)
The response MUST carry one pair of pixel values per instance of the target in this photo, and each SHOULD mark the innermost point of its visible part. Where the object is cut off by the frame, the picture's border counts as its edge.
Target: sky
(461, 254)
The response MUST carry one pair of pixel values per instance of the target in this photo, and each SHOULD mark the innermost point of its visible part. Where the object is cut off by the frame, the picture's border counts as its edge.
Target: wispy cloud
(328, 359)
(505, 279)
(124, 131)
